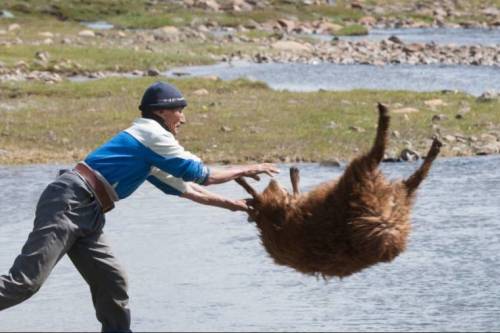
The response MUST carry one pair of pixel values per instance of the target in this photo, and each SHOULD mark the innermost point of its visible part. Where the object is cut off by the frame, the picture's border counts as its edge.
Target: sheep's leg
(295, 178)
(247, 187)
(414, 180)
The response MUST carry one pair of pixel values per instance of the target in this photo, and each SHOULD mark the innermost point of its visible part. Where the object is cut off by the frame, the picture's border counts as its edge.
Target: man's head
(164, 103)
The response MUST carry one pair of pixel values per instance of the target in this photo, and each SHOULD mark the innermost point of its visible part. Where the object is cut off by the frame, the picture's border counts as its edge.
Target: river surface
(198, 268)
(457, 36)
(473, 80)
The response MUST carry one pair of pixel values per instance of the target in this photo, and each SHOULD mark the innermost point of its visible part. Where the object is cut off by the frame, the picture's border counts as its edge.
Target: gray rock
(409, 155)
(395, 39)
(488, 96)
(491, 148)
(153, 72)
(42, 55)
(6, 14)
(332, 125)
(330, 163)
(357, 129)
(439, 117)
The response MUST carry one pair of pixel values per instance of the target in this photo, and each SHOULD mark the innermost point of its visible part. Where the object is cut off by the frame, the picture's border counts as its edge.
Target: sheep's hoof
(383, 109)
(435, 147)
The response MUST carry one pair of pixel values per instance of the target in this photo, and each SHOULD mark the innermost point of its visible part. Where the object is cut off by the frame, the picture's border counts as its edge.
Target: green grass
(352, 30)
(64, 122)
(153, 14)
(100, 57)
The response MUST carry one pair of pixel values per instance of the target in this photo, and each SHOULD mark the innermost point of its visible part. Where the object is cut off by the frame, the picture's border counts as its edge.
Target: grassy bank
(153, 14)
(235, 122)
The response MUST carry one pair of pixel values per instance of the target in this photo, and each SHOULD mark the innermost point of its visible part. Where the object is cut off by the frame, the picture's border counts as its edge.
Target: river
(473, 80)
(198, 268)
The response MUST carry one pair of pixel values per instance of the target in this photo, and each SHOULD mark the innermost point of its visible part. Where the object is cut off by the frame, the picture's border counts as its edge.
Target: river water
(457, 36)
(198, 268)
(473, 80)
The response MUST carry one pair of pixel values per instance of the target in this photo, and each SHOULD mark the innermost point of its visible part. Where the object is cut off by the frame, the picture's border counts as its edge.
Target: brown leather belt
(97, 185)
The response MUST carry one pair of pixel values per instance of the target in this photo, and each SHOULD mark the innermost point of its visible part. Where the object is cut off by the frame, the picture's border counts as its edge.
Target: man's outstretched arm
(218, 176)
(200, 195)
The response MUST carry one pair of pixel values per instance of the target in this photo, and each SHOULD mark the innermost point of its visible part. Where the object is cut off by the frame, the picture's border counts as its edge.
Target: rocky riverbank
(236, 45)
(226, 30)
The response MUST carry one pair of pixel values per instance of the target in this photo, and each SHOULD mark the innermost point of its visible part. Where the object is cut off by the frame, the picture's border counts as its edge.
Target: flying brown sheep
(342, 226)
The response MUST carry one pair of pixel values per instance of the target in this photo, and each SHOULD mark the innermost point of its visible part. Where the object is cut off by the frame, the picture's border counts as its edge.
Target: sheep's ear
(247, 187)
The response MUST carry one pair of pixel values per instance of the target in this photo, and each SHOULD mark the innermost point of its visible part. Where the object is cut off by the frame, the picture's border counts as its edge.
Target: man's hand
(218, 176)
(253, 171)
(239, 205)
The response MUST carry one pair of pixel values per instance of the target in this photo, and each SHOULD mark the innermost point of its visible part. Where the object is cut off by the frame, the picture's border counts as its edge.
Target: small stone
(291, 46)
(13, 27)
(42, 55)
(52, 136)
(153, 72)
(330, 163)
(46, 34)
(405, 110)
(180, 74)
(432, 103)
(357, 129)
(200, 92)
(409, 155)
(395, 39)
(225, 129)
(6, 14)
(439, 117)
(332, 125)
(488, 96)
(86, 33)
(450, 138)
(211, 77)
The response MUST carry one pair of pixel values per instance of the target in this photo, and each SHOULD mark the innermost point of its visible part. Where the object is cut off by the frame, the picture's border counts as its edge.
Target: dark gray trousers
(69, 220)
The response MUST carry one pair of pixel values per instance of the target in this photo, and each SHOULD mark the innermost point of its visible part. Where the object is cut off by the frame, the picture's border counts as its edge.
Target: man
(69, 216)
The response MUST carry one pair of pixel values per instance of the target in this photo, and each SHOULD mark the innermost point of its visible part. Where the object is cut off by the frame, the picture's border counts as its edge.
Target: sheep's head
(270, 206)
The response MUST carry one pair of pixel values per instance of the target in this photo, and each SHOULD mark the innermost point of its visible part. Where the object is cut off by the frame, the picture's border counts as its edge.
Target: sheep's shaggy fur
(344, 225)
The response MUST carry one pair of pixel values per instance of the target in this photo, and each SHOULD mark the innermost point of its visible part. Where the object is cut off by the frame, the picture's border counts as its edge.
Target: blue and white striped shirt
(146, 151)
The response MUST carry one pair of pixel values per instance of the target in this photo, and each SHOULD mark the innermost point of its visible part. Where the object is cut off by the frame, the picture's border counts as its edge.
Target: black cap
(160, 96)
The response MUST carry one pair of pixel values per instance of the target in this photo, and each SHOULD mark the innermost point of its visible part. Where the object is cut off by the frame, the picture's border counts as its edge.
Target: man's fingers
(269, 174)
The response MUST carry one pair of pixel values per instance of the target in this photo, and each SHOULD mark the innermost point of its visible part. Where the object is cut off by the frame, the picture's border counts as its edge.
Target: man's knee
(14, 291)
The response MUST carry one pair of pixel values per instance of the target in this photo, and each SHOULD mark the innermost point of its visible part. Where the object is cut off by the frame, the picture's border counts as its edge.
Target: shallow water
(198, 268)
(98, 25)
(307, 77)
(457, 36)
